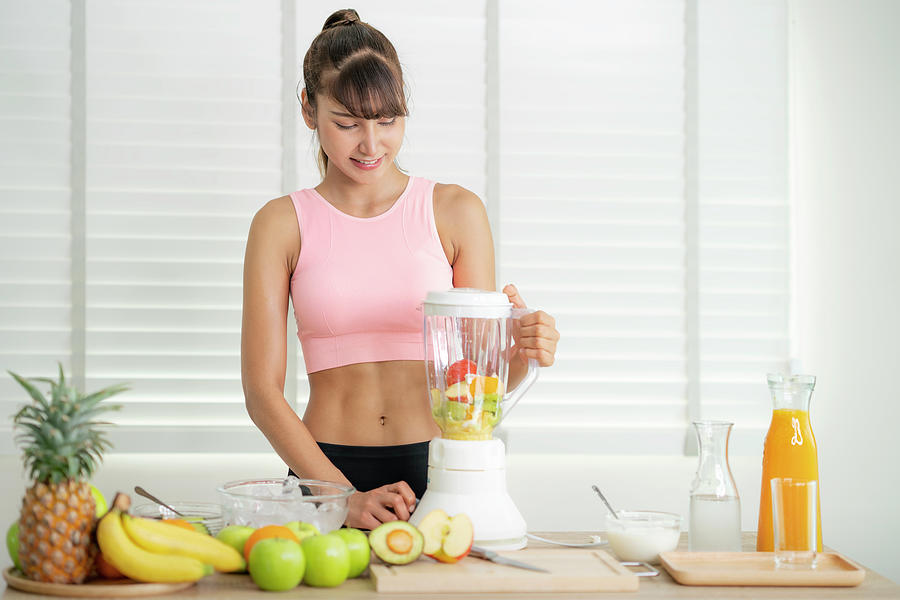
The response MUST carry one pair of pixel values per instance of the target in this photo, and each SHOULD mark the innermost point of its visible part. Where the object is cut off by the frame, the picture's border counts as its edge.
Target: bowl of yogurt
(640, 535)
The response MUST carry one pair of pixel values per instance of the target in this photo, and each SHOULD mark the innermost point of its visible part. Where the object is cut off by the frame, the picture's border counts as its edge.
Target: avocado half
(397, 542)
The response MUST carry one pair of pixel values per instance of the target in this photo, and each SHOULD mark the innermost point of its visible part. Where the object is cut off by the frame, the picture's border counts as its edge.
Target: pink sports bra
(359, 283)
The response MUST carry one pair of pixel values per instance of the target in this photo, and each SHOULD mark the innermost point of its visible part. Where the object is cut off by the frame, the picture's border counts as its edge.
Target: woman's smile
(367, 165)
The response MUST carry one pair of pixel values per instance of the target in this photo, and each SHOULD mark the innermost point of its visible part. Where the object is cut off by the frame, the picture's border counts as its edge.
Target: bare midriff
(370, 404)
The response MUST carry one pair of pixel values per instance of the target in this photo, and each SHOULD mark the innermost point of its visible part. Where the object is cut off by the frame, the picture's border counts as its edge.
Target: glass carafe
(790, 448)
(469, 339)
(715, 522)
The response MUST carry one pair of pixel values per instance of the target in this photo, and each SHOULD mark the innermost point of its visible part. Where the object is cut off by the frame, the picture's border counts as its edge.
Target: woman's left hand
(537, 334)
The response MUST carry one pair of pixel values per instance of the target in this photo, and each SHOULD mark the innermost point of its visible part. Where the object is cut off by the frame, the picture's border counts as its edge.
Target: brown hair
(357, 65)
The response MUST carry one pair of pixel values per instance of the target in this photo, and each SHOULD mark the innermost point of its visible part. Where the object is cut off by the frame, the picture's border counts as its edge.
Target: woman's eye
(387, 123)
(340, 126)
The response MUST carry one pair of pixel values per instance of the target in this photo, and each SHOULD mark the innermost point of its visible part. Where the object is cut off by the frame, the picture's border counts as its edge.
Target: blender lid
(468, 302)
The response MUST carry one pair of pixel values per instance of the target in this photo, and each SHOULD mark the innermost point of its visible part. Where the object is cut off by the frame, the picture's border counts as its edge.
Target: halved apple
(447, 539)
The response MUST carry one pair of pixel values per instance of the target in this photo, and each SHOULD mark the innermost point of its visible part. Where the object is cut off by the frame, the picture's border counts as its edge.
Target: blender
(469, 337)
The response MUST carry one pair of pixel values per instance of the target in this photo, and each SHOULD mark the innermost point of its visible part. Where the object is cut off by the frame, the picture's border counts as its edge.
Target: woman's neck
(360, 199)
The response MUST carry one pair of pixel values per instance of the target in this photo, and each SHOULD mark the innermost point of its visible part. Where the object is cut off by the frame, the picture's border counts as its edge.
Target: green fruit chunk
(456, 411)
(397, 542)
(491, 403)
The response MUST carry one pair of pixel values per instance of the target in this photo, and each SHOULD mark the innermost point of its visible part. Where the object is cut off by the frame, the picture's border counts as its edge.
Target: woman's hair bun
(339, 18)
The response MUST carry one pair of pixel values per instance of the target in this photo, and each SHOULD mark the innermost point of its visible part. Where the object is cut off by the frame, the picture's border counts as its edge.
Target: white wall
(846, 173)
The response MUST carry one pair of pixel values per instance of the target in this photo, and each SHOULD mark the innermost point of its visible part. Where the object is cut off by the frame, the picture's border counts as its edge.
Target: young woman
(357, 255)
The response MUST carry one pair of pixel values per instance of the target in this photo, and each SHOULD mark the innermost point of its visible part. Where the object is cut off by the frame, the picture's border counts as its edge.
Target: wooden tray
(95, 588)
(571, 570)
(758, 568)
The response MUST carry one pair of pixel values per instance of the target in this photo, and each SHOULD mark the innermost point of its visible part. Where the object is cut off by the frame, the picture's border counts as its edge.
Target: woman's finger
(513, 294)
(402, 488)
(398, 504)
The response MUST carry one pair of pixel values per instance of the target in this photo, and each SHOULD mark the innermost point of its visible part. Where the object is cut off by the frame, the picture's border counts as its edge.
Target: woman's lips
(368, 165)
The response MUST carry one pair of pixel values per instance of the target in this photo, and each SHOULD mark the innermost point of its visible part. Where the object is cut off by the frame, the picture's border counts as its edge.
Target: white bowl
(640, 535)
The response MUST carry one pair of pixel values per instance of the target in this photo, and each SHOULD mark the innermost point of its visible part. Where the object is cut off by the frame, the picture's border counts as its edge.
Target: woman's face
(362, 149)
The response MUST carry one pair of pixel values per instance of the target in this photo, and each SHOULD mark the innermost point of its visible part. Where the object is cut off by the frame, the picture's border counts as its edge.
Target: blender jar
(468, 344)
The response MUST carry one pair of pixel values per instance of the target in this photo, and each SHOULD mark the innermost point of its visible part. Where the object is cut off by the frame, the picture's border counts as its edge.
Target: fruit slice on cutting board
(396, 542)
(447, 539)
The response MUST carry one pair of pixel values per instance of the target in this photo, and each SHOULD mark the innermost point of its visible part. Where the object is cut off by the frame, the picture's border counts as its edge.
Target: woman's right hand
(391, 502)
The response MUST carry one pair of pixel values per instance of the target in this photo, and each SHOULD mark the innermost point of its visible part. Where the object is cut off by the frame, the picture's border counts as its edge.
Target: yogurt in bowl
(640, 535)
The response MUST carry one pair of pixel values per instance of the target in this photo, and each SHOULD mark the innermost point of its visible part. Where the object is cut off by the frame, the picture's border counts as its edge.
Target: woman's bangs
(369, 89)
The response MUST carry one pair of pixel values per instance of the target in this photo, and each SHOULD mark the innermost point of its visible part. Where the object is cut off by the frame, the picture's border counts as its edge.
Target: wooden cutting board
(571, 570)
(758, 568)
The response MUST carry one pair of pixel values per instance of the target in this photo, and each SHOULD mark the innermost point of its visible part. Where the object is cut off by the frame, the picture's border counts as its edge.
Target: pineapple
(62, 445)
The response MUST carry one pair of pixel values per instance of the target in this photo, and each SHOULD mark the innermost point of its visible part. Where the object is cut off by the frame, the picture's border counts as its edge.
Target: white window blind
(613, 115)
(743, 210)
(184, 145)
(631, 155)
(35, 265)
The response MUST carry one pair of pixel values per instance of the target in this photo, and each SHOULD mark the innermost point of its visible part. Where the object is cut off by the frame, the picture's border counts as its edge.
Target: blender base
(470, 477)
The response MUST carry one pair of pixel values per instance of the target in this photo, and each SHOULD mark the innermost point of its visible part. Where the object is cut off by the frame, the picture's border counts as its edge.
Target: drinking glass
(794, 522)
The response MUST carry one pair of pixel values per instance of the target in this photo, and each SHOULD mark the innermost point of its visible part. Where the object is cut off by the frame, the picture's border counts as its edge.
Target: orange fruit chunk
(179, 523)
(482, 384)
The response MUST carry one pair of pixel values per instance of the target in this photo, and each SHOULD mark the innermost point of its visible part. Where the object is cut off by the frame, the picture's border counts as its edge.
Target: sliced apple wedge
(458, 392)
(447, 539)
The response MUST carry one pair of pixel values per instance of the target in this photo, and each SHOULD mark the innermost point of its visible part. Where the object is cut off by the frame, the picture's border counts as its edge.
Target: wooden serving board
(571, 570)
(758, 569)
(95, 588)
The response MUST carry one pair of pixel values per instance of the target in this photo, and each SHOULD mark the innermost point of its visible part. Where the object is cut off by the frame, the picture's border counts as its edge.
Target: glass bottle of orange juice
(790, 448)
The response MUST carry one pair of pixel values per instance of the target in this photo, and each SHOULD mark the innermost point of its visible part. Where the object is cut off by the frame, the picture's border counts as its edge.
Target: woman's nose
(368, 145)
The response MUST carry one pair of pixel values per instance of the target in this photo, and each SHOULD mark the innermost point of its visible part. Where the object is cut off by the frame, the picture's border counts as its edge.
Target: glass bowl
(204, 516)
(640, 535)
(258, 502)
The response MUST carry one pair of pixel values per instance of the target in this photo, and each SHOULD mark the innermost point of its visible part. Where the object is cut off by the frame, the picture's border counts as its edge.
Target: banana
(139, 564)
(163, 538)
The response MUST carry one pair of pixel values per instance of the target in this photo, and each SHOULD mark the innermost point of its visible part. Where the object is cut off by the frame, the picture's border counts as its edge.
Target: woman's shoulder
(455, 202)
(276, 219)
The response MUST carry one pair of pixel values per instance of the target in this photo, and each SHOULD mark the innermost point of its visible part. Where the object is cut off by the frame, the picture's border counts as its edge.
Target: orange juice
(790, 451)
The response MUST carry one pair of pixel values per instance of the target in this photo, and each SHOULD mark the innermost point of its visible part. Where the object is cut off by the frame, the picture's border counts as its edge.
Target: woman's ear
(307, 110)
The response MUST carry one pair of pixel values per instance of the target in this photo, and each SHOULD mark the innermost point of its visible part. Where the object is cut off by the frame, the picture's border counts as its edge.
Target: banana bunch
(152, 551)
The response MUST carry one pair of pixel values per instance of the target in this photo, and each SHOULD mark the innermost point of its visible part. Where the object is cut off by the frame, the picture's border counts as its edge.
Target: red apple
(447, 539)
(457, 371)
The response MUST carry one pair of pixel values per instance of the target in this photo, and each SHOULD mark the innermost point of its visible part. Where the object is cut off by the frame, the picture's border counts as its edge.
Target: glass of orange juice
(794, 504)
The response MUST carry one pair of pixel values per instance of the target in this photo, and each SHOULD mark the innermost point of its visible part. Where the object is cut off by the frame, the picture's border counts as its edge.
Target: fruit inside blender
(468, 408)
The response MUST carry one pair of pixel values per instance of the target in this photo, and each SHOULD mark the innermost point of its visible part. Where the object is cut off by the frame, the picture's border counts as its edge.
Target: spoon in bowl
(142, 492)
(605, 501)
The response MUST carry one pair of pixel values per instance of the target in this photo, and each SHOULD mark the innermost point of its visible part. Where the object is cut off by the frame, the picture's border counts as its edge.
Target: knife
(492, 556)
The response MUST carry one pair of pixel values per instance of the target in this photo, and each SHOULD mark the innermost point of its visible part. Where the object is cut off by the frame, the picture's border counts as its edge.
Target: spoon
(142, 492)
(605, 501)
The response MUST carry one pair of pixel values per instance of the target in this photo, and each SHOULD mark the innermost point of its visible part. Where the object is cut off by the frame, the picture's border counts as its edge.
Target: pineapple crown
(59, 435)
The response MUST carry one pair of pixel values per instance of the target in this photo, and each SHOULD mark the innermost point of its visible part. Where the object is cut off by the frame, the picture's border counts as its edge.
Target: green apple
(358, 545)
(100, 507)
(12, 543)
(235, 536)
(327, 560)
(302, 530)
(276, 564)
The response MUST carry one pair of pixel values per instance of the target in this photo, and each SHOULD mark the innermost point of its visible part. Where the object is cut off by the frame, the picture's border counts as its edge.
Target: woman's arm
(466, 236)
(273, 247)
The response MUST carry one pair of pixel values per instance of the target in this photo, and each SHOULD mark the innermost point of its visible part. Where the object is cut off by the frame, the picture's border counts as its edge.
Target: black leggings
(369, 467)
